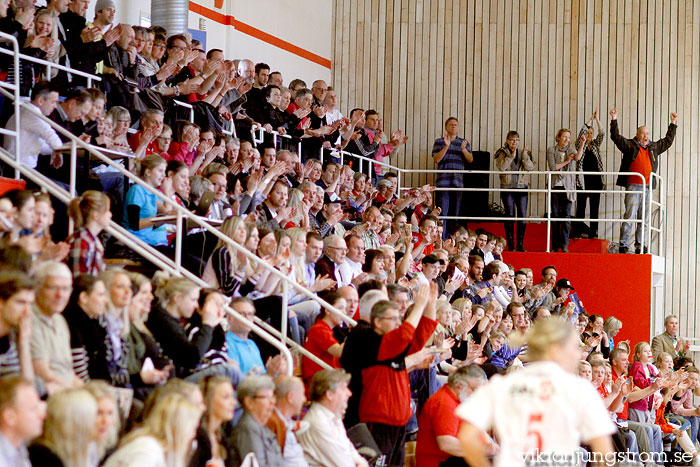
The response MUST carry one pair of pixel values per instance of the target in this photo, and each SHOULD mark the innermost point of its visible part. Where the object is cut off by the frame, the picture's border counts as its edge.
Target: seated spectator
(142, 206)
(668, 341)
(21, 418)
(141, 346)
(143, 142)
(35, 133)
(683, 405)
(107, 422)
(320, 340)
(184, 146)
(334, 249)
(50, 341)
(220, 403)
(91, 214)
(16, 300)
(240, 347)
(167, 433)
(121, 121)
(69, 430)
(438, 425)
(93, 355)
(326, 442)
(257, 398)
(290, 398)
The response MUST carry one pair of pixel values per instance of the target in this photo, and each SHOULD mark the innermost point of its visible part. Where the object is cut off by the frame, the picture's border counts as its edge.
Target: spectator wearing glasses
(50, 343)
(438, 425)
(256, 394)
(335, 250)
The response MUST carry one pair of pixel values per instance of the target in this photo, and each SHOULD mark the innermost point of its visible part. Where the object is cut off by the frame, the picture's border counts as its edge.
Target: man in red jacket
(385, 404)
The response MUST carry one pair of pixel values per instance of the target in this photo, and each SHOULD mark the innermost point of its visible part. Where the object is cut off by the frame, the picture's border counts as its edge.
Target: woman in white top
(165, 438)
(544, 409)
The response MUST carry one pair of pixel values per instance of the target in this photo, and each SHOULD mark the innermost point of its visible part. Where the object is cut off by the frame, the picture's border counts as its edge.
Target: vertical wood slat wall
(536, 66)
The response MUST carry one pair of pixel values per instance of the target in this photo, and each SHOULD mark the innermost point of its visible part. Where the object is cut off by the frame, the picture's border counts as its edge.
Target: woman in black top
(592, 161)
(93, 357)
(140, 343)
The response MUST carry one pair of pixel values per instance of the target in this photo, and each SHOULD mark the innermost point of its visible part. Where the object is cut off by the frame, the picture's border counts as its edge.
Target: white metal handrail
(648, 228)
(144, 250)
(183, 213)
(275, 134)
(49, 65)
(15, 96)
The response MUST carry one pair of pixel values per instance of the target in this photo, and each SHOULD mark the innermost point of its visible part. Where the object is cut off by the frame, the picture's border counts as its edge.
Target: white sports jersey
(541, 408)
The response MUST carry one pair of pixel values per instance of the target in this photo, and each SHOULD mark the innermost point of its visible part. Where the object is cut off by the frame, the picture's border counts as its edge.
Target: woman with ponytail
(90, 213)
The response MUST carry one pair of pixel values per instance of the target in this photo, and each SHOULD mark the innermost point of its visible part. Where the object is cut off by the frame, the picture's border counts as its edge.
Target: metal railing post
(320, 155)
(285, 310)
(644, 215)
(549, 211)
(73, 166)
(178, 242)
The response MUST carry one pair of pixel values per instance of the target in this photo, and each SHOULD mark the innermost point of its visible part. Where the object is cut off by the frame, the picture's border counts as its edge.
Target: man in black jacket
(641, 155)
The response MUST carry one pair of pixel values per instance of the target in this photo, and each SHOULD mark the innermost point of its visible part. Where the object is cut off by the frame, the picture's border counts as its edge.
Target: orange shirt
(624, 414)
(641, 164)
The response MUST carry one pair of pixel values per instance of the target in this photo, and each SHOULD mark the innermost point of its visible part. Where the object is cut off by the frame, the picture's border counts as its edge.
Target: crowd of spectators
(101, 365)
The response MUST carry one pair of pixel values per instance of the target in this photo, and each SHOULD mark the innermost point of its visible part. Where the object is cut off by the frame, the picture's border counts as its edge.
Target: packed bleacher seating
(105, 360)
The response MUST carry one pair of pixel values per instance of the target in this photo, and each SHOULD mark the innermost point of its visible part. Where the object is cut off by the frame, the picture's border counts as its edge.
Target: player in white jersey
(544, 409)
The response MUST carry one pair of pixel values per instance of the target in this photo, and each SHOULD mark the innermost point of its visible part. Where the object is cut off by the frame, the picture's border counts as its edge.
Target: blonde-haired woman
(69, 431)
(116, 318)
(178, 299)
(91, 215)
(140, 343)
(107, 420)
(213, 446)
(165, 438)
(532, 411)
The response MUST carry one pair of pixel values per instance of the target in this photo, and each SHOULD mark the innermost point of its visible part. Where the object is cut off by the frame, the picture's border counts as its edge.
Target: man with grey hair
(50, 342)
(257, 398)
(326, 442)
(668, 341)
(334, 251)
(438, 425)
(290, 396)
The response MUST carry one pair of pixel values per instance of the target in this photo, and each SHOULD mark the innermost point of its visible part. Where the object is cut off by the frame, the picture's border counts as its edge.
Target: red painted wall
(607, 284)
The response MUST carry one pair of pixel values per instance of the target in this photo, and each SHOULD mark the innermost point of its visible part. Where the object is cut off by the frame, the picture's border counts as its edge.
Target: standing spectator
(438, 425)
(450, 153)
(591, 161)
(21, 418)
(510, 158)
(641, 155)
(257, 397)
(326, 442)
(668, 341)
(560, 158)
(385, 400)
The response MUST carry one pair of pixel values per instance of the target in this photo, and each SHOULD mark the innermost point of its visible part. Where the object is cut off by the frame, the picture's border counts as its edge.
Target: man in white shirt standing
(326, 442)
(37, 135)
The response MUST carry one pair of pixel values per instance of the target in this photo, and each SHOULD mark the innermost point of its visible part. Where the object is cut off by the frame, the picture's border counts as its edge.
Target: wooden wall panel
(536, 66)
